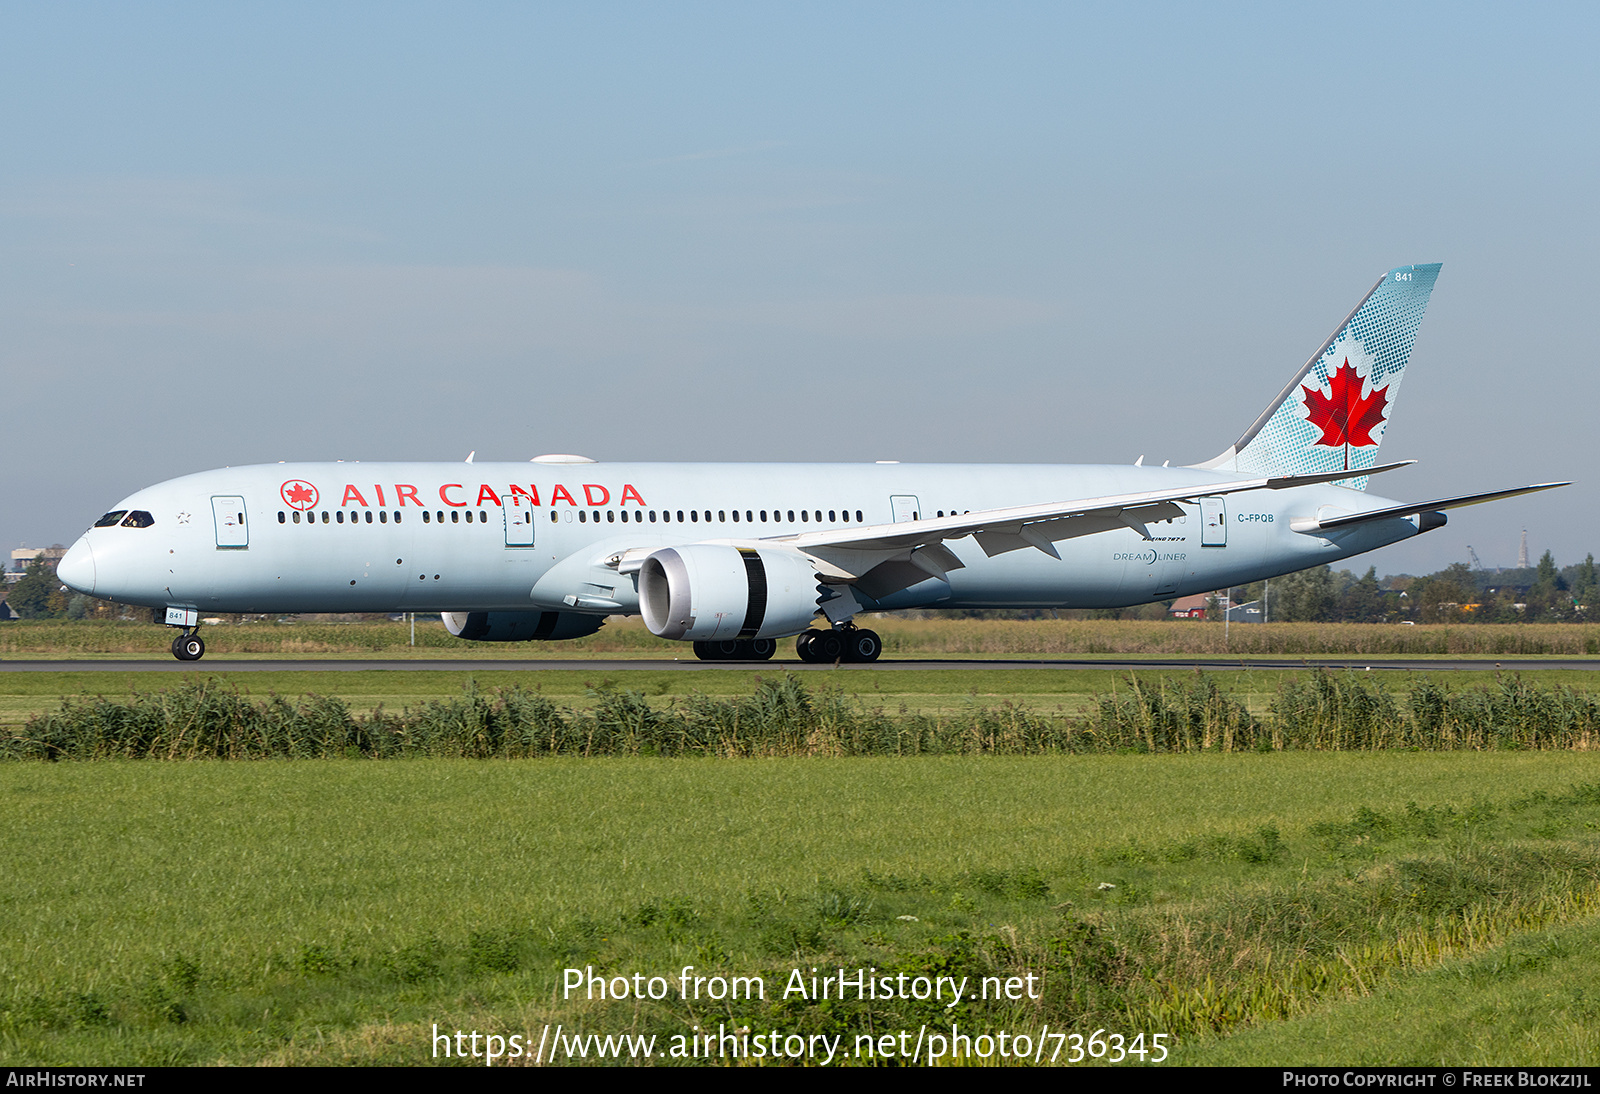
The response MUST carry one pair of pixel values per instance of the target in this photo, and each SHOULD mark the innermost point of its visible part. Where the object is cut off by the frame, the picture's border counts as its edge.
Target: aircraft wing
(851, 552)
(1349, 519)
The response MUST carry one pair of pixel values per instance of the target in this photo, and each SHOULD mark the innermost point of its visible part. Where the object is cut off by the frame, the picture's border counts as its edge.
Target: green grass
(332, 911)
(1532, 999)
(977, 639)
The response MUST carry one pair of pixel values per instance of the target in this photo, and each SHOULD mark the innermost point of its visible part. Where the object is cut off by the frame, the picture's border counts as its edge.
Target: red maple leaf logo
(1345, 417)
(298, 494)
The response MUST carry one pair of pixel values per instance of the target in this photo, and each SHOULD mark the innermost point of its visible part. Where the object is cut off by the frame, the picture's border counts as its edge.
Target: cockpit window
(138, 519)
(110, 519)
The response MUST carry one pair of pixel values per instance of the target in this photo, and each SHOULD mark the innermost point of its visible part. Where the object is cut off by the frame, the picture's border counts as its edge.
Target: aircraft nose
(76, 569)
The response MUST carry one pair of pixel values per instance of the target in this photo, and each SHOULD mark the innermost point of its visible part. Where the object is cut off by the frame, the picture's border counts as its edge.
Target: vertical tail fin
(1334, 412)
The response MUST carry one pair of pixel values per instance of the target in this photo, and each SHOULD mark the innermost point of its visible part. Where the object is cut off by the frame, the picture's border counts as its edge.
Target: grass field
(1411, 907)
(902, 638)
(1279, 907)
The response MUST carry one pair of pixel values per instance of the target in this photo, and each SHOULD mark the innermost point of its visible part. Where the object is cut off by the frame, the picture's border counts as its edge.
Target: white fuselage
(363, 537)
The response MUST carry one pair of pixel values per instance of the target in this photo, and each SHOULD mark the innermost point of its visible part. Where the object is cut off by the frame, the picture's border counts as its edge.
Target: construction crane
(1477, 564)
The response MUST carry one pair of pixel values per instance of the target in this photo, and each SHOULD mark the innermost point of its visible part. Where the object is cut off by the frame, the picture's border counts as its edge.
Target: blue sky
(1002, 233)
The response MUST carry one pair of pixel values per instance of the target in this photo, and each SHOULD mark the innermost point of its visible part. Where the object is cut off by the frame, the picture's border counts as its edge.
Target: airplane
(734, 557)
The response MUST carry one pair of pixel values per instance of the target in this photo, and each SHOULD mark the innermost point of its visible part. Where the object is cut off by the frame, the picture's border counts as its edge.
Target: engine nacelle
(703, 592)
(520, 626)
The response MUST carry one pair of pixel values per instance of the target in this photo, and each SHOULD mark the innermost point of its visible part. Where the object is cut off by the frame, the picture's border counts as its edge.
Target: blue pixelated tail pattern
(1334, 412)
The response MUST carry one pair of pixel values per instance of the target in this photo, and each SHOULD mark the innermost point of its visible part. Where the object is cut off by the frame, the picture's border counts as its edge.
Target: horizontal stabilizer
(1418, 507)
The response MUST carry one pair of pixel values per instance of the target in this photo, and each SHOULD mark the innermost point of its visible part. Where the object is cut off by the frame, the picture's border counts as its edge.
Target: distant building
(1247, 613)
(1193, 607)
(50, 556)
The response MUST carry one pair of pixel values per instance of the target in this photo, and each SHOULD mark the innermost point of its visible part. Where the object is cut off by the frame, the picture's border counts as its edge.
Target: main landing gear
(730, 649)
(188, 647)
(849, 644)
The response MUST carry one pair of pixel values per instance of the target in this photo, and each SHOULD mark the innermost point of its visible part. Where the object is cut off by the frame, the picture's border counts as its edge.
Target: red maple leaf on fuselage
(300, 495)
(1344, 416)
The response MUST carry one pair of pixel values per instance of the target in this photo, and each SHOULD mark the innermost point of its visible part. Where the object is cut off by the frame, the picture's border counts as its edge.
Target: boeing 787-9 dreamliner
(733, 557)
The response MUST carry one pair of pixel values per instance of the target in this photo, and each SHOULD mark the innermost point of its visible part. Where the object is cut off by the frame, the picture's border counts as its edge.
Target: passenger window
(858, 517)
(281, 518)
(652, 516)
(802, 516)
(338, 515)
(554, 516)
(297, 516)
(369, 516)
(748, 517)
(325, 518)
(791, 516)
(763, 516)
(831, 517)
(424, 516)
(113, 518)
(397, 516)
(694, 515)
(736, 516)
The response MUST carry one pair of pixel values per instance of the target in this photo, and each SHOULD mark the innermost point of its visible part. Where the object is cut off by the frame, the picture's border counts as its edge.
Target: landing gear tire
(820, 647)
(861, 646)
(729, 649)
(188, 647)
(715, 651)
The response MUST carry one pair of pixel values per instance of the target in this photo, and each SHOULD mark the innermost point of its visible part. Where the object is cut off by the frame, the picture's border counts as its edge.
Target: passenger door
(1213, 523)
(519, 514)
(233, 532)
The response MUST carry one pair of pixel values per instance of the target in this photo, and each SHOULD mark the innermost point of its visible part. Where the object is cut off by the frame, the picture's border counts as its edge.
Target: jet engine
(704, 592)
(520, 626)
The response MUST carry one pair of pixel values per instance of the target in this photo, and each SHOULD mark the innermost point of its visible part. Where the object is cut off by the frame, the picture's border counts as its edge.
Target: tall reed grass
(1323, 710)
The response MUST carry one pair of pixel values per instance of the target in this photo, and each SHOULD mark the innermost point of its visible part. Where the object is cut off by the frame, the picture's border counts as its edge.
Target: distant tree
(1584, 586)
(1547, 601)
(1547, 572)
(1307, 596)
(31, 597)
(1438, 597)
(1362, 601)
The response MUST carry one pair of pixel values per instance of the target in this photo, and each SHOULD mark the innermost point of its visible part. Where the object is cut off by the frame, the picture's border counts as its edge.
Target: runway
(1579, 664)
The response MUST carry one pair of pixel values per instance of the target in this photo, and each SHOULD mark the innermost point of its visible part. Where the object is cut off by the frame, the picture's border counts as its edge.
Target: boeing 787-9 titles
(733, 557)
